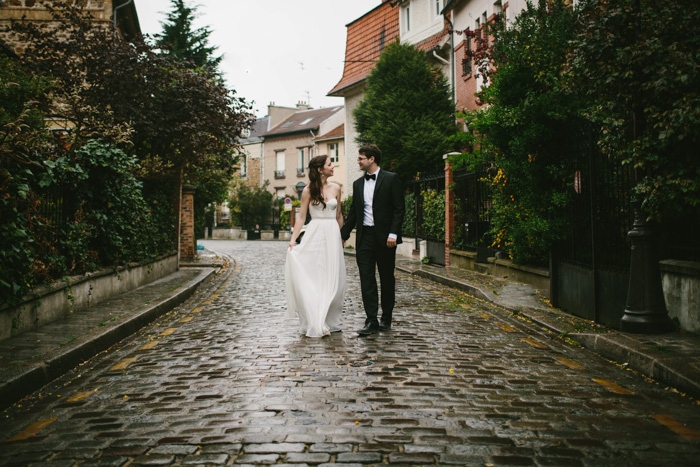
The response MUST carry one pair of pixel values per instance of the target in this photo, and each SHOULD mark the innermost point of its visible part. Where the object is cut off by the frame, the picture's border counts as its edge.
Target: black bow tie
(368, 176)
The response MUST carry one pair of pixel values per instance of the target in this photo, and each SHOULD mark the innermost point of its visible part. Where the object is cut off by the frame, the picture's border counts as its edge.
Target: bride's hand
(291, 245)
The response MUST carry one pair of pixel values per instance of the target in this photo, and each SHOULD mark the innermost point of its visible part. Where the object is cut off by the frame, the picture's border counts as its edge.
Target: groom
(377, 211)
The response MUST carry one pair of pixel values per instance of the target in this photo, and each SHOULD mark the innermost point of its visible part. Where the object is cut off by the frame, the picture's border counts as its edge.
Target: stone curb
(673, 371)
(41, 373)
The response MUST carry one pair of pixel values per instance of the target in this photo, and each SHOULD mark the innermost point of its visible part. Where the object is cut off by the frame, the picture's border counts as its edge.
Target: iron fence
(435, 246)
(472, 195)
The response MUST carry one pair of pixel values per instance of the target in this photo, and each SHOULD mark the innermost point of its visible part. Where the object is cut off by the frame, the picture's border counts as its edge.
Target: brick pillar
(449, 209)
(187, 239)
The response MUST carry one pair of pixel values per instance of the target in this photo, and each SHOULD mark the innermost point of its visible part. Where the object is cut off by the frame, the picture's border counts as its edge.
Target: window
(244, 165)
(437, 7)
(467, 60)
(279, 193)
(301, 153)
(407, 18)
(333, 152)
(279, 168)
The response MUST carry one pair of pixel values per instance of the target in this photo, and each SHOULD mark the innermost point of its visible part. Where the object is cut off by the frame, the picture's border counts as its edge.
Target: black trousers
(373, 255)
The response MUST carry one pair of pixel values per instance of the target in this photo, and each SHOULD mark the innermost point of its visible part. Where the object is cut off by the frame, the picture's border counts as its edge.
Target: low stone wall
(681, 285)
(235, 233)
(407, 247)
(50, 303)
(534, 276)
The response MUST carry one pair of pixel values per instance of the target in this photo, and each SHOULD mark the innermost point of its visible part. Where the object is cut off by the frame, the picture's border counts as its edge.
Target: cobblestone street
(225, 379)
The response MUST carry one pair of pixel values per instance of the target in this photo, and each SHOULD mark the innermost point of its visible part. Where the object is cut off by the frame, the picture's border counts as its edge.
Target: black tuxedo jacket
(387, 205)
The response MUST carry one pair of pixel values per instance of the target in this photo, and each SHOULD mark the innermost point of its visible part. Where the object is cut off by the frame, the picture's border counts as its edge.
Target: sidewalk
(671, 359)
(33, 359)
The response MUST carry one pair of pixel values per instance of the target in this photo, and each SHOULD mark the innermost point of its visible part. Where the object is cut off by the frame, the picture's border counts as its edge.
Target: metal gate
(590, 268)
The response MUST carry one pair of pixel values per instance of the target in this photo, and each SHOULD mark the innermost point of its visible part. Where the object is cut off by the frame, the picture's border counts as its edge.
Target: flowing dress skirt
(315, 278)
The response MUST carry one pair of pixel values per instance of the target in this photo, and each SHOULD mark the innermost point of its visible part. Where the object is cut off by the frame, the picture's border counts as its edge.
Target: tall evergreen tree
(407, 111)
(180, 39)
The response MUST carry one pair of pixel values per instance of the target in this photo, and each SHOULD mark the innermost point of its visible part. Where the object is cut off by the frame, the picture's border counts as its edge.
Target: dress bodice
(318, 212)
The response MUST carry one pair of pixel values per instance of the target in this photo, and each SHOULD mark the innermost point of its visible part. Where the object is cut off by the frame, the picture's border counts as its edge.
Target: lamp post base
(645, 311)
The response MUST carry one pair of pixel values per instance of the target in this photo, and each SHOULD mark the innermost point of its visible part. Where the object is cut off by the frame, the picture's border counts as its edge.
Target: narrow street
(227, 380)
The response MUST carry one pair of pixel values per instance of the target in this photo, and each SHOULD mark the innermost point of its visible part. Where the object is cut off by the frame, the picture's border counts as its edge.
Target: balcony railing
(279, 173)
(300, 172)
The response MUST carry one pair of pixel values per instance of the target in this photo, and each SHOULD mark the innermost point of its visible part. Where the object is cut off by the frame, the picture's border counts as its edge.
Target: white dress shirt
(369, 197)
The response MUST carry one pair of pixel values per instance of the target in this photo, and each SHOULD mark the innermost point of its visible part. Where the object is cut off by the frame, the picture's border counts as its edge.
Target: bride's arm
(299, 223)
(339, 209)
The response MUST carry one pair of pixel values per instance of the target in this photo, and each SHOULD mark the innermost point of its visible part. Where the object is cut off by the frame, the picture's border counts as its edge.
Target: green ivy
(434, 214)
(408, 228)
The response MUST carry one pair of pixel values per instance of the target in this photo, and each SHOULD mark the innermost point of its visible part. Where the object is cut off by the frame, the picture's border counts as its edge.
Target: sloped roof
(302, 121)
(259, 127)
(335, 133)
(434, 41)
(366, 38)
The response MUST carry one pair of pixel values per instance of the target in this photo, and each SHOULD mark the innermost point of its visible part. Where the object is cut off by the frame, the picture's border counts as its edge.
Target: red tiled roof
(436, 40)
(366, 37)
(335, 133)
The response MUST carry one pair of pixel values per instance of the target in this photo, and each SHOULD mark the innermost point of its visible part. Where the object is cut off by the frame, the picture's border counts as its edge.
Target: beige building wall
(287, 180)
(353, 171)
(339, 167)
(419, 19)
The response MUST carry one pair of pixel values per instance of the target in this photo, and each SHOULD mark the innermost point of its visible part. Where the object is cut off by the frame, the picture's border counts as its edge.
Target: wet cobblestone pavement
(225, 379)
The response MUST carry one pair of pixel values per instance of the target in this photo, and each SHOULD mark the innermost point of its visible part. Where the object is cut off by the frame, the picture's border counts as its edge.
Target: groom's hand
(391, 242)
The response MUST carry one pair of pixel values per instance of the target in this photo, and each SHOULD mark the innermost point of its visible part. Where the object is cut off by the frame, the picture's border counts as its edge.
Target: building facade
(288, 147)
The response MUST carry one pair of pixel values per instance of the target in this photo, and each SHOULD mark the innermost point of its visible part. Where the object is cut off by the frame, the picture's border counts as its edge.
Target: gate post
(187, 240)
(449, 207)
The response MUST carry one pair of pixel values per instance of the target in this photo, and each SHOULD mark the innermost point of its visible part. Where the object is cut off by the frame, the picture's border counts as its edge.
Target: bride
(315, 268)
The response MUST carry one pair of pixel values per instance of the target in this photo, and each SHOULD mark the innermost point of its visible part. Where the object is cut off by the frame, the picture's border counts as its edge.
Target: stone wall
(681, 285)
(50, 303)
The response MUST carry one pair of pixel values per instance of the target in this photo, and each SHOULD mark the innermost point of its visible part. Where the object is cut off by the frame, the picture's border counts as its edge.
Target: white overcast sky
(281, 51)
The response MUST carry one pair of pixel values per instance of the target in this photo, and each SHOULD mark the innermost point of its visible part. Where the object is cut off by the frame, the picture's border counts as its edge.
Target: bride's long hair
(315, 180)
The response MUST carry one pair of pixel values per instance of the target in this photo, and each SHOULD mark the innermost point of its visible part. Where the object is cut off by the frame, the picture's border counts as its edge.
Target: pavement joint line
(614, 387)
(123, 364)
(32, 430)
(677, 427)
(570, 363)
(80, 396)
(149, 345)
(534, 342)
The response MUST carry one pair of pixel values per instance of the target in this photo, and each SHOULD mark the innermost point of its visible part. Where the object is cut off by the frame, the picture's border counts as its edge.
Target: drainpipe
(115, 16)
(440, 58)
(452, 59)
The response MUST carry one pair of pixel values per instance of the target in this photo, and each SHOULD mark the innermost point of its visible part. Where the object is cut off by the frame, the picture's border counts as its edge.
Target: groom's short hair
(371, 150)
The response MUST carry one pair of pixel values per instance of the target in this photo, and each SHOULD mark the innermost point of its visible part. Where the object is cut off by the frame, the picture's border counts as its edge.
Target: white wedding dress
(315, 274)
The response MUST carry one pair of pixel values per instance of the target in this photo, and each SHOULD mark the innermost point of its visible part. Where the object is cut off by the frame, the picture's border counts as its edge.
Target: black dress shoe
(384, 326)
(370, 328)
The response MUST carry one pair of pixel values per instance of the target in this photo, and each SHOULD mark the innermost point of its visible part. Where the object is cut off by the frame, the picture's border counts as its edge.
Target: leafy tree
(637, 62)
(407, 112)
(181, 123)
(157, 122)
(180, 40)
(250, 205)
(521, 129)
